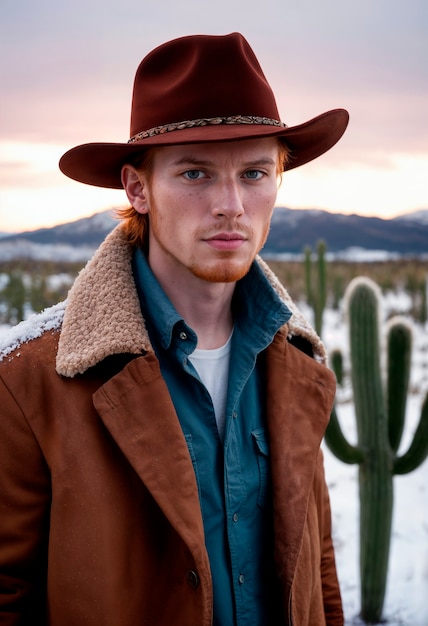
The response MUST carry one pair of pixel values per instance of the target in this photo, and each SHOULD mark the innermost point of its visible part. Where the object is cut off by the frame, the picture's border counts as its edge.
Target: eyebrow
(261, 161)
(189, 160)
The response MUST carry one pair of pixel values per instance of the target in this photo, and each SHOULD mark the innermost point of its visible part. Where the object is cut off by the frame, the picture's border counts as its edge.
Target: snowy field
(406, 602)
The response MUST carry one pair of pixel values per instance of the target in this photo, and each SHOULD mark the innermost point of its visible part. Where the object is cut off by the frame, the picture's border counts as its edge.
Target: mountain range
(291, 231)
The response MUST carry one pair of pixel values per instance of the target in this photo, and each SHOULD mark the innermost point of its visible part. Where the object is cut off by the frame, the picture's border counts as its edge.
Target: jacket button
(192, 578)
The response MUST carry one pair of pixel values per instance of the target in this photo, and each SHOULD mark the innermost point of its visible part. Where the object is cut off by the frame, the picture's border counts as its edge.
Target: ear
(135, 188)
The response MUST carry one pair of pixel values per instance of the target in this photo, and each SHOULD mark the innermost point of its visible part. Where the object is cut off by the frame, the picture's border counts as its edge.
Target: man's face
(210, 207)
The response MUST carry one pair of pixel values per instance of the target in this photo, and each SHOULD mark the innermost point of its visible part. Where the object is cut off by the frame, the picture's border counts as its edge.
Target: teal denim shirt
(232, 476)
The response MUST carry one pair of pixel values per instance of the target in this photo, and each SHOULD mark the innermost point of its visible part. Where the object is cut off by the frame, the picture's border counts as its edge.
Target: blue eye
(193, 174)
(253, 174)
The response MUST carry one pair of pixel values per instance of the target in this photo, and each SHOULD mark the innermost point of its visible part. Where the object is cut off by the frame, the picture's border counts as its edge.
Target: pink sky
(66, 70)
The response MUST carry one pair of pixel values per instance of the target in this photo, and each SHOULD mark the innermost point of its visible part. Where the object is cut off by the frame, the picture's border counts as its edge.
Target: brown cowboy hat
(201, 88)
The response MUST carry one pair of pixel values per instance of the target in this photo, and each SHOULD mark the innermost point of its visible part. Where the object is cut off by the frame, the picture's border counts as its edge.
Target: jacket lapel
(136, 408)
(300, 394)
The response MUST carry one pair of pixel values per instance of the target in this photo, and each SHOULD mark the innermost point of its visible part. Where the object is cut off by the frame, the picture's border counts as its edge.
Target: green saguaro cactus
(380, 416)
(316, 296)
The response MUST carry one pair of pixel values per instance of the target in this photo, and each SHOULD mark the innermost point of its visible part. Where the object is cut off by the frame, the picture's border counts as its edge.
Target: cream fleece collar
(103, 316)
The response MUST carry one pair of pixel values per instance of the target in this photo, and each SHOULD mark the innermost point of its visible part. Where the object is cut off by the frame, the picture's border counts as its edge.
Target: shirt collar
(255, 303)
(257, 306)
(161, 317)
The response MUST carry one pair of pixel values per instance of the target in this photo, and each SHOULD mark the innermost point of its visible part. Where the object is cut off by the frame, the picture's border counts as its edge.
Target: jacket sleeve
(330, 584)
(24, 518)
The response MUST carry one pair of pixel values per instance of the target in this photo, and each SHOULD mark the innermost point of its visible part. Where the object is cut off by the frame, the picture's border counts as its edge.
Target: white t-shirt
(213, 369)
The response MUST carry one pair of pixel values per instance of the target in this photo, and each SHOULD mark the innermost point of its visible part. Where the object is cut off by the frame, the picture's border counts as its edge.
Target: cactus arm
(320, 301)
(418, 449)
(334, 437)
(399, 348)
(336, 359)
(316, 298)
(322, 274)
(308, 281)
(338, 444)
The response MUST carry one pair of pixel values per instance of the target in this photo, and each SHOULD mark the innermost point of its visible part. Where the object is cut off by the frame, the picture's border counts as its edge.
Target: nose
(227, 200)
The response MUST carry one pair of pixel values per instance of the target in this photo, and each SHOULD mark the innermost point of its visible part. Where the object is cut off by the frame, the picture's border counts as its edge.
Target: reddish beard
(228, 267)
(224, 271)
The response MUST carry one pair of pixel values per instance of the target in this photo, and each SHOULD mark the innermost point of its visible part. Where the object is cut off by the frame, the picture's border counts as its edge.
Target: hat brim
(100, 164)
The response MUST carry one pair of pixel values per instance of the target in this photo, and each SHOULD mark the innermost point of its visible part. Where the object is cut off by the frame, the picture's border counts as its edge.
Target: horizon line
(277, 206)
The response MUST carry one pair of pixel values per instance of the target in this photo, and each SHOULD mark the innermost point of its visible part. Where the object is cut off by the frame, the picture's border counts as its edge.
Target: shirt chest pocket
(262, 451)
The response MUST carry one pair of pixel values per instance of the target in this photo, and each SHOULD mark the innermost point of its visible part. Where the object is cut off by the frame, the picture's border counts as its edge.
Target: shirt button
(235, 517)
(234, 414)
(241, 579)
(192, 578)
(183, 335)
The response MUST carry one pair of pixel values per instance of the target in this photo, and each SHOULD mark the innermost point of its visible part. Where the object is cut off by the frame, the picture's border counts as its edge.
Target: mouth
(226, 241)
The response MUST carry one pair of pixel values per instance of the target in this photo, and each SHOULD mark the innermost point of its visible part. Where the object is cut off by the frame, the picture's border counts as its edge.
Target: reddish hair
(136, 225)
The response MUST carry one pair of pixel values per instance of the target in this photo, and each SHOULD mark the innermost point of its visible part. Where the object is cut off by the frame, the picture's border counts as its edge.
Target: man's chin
(224, 272)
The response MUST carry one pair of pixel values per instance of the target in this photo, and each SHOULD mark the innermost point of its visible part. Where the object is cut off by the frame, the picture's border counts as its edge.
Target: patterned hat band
(206, 121)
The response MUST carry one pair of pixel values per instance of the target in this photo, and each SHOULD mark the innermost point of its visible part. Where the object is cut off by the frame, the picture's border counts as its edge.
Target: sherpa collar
(103, 316)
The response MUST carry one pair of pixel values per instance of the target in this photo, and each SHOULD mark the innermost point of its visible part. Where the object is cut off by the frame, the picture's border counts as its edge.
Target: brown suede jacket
(100, 523)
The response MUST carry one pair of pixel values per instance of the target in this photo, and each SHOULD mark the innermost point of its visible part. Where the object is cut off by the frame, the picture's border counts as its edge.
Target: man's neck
(205, 307)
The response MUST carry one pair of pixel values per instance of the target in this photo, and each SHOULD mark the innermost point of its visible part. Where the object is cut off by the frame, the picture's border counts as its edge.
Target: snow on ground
(406, 602)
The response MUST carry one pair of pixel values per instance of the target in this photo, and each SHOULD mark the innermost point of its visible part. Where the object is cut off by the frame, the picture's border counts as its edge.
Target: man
(160, 454)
